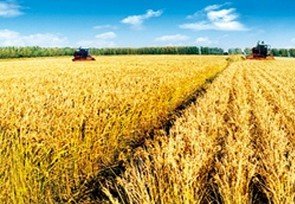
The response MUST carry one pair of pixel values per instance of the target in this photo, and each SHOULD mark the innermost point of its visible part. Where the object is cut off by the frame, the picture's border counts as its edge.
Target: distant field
(234, 146)
(62, 122)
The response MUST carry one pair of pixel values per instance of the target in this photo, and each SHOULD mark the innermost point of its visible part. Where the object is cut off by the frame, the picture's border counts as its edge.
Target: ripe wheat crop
(235, 145)
(62, 122)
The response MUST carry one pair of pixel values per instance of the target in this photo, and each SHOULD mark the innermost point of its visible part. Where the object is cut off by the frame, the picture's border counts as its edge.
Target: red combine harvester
(82, 54)
(261, 52)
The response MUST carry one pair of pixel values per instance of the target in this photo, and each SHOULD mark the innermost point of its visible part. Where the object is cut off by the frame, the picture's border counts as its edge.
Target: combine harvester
(82, 54)
(261, 52)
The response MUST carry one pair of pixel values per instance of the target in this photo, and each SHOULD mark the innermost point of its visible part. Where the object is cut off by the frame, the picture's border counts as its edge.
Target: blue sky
(139, 23)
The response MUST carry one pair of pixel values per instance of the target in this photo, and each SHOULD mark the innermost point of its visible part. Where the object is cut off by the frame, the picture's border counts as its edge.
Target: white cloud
(197, 26)
(203, 13)
(212, 7)
(203, 41)
(216, 19)
(172, 38)
(45, 40)
(106, 36)
(198, 14)
(13, 38)
(96, 43)
(101, 40)
(136, 21)
(10, 9)
(223, 15)
(8, 34)
(107, 26)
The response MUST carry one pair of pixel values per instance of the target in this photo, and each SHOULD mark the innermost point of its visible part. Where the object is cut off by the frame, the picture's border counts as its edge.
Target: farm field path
(234, 145)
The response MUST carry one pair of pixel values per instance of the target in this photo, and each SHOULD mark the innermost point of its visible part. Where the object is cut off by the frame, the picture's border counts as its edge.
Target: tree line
(35, 51)
(26, 52)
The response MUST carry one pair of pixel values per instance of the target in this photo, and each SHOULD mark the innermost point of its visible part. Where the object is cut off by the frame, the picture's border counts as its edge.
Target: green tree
(292, 52)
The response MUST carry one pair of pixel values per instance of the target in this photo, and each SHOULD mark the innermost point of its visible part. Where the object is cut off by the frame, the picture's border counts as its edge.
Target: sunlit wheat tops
(234, 146)
(61, 122)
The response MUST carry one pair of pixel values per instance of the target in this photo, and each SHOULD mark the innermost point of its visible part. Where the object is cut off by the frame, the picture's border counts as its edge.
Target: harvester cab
(82, 54)
(261, 51)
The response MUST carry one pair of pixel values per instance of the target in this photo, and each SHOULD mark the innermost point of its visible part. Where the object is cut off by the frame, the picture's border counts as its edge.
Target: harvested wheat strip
(275, 166)
(282, 72)
(257, 186)
(280, 68)
(277, 80)
(284, 90)
(282, 107)
(235, 170)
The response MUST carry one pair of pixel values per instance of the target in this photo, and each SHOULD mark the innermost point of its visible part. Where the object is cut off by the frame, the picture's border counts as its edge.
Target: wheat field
(62, 122)
(235, 145)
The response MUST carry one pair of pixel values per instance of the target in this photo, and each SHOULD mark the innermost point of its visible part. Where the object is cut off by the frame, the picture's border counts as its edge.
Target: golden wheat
(61, 122)
(235, 145)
